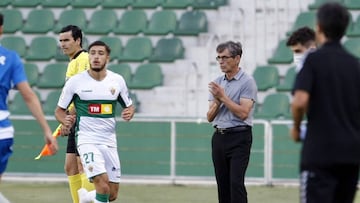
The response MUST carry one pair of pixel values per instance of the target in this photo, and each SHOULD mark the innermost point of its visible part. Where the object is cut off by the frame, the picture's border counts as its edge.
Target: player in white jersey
(95, 93)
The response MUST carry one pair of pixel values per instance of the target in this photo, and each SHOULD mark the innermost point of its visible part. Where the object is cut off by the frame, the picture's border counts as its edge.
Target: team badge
(112, 90)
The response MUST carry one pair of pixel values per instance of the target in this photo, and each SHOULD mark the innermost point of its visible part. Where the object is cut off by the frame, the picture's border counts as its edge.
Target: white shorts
(98, 159)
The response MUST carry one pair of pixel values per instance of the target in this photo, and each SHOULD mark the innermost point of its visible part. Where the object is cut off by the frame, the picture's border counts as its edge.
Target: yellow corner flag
(46, 151)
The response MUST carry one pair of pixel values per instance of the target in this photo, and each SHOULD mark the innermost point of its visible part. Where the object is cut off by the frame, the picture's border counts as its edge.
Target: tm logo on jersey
(100, 108)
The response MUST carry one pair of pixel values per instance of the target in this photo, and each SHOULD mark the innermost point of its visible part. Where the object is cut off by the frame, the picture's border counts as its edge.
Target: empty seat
(115, 45)
(288, 82)
(13, 20)
(192, 23)
(146, 3)
(176, 4)
(25, 3)
(147, 76)
(4, 3)
(352, 4)
(304, 19)
(353, 46)
(282, 54)
(161, 23)
(55, 3)
(101, 22)
(275, 106)
(50, 103)
(137, 49)
(123, 69)
(39, 21)
(167, 50)
(53, 76)
(41, 48)
(266, 77)
(131, 22)
(354, 28)
(15, 43)
(85, 3)
(18, 106)
(32, 73)
(71, 17)
(116, 3)
(318, 3)
(209, 4)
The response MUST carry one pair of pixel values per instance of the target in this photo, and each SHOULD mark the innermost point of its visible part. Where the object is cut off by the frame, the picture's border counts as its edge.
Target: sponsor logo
(100, 108)
(2, 60)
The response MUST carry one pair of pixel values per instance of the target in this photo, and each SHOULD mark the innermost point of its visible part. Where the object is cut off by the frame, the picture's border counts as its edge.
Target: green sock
(102, 197)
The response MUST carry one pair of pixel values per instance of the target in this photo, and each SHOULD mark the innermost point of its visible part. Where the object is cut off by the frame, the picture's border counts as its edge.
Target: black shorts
(71, 144)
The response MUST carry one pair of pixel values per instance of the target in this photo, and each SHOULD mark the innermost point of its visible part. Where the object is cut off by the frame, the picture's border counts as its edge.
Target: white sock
(91, 195)
(3, 199)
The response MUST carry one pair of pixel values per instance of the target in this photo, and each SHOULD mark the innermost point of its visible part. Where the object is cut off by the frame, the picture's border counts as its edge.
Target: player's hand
(295, 134)
(67, 125)
(51, 142)
(128, 113)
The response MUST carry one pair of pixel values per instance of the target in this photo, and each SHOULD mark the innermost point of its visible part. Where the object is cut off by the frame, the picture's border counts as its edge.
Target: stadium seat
(39, 21)
(85, 3)
(318, 3)
(167, 50)
(123, 69)
(13, 20)
(101, 22)
(353, 46)
(209, 4)
(32, 73)
(115, 45)
(352, 4)
(304, 19)
(176, 4)
(140, 4)
(18, 106)
(16, 43)
(137, 49)
(131, 22)
(161, 23)
(288, 82)
(71, 17)
(53, 76)
(41, 48)
(25, 3)
(275, 106)
(354, 28)
(55, 3)
(146, 76)
(50, 103)
(282, 54)
(4, 3)
(266, 77)
(192, 23)
(116, 3)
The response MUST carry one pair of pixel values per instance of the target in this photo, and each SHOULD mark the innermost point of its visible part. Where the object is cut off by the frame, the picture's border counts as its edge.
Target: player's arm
(213, 110)
(65, 119)
(33, 103)
(128, 113)
(298, 108)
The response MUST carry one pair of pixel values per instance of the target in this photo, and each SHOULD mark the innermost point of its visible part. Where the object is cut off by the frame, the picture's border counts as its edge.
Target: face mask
(298, 59)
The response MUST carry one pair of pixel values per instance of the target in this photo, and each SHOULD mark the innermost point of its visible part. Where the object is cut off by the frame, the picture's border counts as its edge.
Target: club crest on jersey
(112, 90)
(100, 108)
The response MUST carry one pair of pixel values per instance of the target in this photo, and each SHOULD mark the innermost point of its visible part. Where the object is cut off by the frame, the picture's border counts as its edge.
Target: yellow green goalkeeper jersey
(78, 64)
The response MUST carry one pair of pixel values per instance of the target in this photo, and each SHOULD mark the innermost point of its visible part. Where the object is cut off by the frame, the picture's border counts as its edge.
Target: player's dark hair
(100, 43)
(303, 35)
(76, 32)
(234, 48)
(1, 19)
(333, 20)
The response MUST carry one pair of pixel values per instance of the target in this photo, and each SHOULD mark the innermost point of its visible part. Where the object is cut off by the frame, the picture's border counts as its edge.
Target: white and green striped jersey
(95, 104)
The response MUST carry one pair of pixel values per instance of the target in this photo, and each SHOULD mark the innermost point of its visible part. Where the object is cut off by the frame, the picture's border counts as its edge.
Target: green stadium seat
(209, 4)
(115, 45)
(13, 20)
(352, 4)
(161, 23)
(147, 76)
(288, 82)
(71, 17)
(116, 3)
(167, 50)
(53, 76)
(137, 49)
(42, 48)
(4, 3)
(176, 4)
(354, 28)
(123, 69)
(353, 46)
(101, 22)
(192, 23)
(85, 3)
(282, 54)
(55, 3)
(275, 106)
(15, 43)
(25, 3)
(50, 103)
(138, 4)
(32, 73)
(131, 22)
(304, 19)
(318, 3)
(39, 21)
(266, 77)
(18, 106)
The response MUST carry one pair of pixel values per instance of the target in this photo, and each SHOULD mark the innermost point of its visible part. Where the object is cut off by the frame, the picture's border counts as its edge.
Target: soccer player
(71, 38)
(95, 94)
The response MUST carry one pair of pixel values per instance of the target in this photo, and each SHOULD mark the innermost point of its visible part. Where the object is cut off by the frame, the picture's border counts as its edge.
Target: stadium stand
(18, 106)
(16, 43)
(41, 48)
(71, 17)
(146, 4)
(353, 46)
(97, 23)
(13, 21)
(282, 54)
(317, 3)
(209, 4)
(116, 3)
(354, 28)
(266, 77)
(55, 3)
(51, 101)
(137, 49)
(306, 18)
(115, 45)
(192, 23)
(39, 21)
(275, 106)
(287, 83)
(32, 73)
(124, 69)
(25, 3)
(131, 22)
(146, 76)
(176, 4)
(161, 23)
(53, 76)
(85, 3)
(167, 50)
(5, 3)
(352, 4)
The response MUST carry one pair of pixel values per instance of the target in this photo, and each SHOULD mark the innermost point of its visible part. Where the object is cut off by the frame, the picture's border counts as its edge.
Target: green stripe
(102, 197)
(82, 107)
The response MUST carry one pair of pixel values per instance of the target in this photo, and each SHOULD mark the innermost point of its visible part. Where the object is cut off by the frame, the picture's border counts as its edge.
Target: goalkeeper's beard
(97, 69)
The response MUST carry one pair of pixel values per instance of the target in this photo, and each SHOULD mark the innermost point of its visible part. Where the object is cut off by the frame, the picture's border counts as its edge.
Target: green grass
(135, 193)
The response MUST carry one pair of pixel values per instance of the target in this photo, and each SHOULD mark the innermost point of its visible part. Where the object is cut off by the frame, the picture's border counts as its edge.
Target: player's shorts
(98, 159)
(71, 144)
(5, 152)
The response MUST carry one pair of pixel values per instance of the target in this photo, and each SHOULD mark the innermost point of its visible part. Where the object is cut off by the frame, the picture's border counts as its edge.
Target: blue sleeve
(18, 73)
